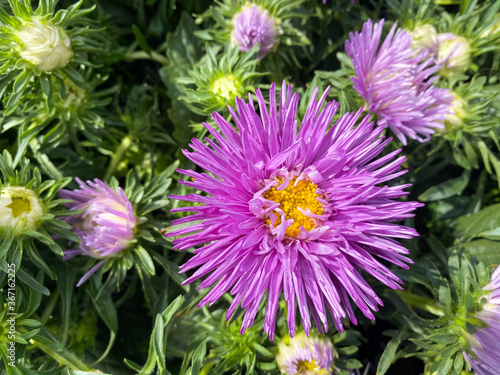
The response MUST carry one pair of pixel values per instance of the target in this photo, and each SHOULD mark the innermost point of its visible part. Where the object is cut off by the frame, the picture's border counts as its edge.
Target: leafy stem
(424, 303)
(118, 156)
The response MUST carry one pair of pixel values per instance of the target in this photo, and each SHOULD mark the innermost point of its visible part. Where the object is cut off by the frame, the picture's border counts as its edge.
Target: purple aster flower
(306, 356)
(396, 82)
(252, 25)
(106, 225)
(485, 342)
(301, 213)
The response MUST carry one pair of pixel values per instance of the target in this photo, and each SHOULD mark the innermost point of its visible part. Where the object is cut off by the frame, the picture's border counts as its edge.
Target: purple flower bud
(252, 25)
(106, 225)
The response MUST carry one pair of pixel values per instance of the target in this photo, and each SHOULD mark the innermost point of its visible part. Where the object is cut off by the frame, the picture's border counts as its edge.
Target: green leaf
(74, 75)
(31, 282)
(198, 357)
(447, 339)
(6, 245)
(141, 40)
(66, 278)
(484, 250)
(59, 352)
(172, 309)
(484, 221)
(158, 341)
(172, 270)
(107, 311)
(389, 352)
(22, 81)
(446, 189)
(144, 260)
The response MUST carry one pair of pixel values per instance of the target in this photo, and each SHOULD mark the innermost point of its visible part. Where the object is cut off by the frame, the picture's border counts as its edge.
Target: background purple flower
(485, 342)
(252, 25)
(106, 225)
(304, 355)
(396, 82)
(264, 179)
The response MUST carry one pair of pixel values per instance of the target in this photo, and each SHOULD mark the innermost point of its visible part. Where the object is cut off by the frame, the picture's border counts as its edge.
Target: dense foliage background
(137, 87)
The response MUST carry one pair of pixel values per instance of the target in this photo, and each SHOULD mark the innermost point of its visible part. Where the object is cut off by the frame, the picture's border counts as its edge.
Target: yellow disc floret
(298, 194)
(306, 367)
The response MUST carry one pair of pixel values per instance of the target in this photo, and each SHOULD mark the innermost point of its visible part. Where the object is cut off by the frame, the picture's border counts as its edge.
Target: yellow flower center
(304, 367)
(226, 87)
(19, 205)
(298, 194)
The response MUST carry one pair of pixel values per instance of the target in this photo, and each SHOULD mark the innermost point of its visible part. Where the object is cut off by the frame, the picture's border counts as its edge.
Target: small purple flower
(252, 25)
(396, 82)
(485, 342)
(306, 356)
(106, 225)
(299, 212)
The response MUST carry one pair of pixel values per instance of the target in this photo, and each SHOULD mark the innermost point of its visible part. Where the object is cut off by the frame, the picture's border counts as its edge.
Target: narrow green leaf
(446, 189)
(141, 40)
(158, 341)
(145, 260)
(172, 309)
(389, 352)
(484, 250)
(469, 227)
(6, 245)
(31, 282)
(107, 311)
(21, 81)
(172, 270)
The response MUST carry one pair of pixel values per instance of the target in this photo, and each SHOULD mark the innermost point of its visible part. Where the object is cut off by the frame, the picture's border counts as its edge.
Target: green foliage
(124, 99)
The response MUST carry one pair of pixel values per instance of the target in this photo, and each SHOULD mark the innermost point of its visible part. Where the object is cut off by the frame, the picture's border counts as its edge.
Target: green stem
(420, 302)
(112, 337)
(54, 298)
(141, 55)
(117, 157)
(59, 353)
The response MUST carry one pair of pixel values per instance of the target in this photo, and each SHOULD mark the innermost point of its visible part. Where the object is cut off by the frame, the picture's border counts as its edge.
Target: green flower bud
(454, 55)
(424, 37)
(45, 46)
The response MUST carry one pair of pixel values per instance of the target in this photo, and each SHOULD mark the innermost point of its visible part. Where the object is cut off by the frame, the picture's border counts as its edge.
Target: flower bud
(454, 55)
(457, 113)
(306, 356)
(492, 30)
(20, 209)
(107, 224)
(424, 37)
(225, 88)
(484, 346)
(45, 46)
(252, 25)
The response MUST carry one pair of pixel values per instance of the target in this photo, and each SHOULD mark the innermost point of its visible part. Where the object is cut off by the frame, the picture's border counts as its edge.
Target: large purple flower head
(299, 212)
(485, 342)
(252, 25)
(304, 355)
(396, 82)
(106, 225)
